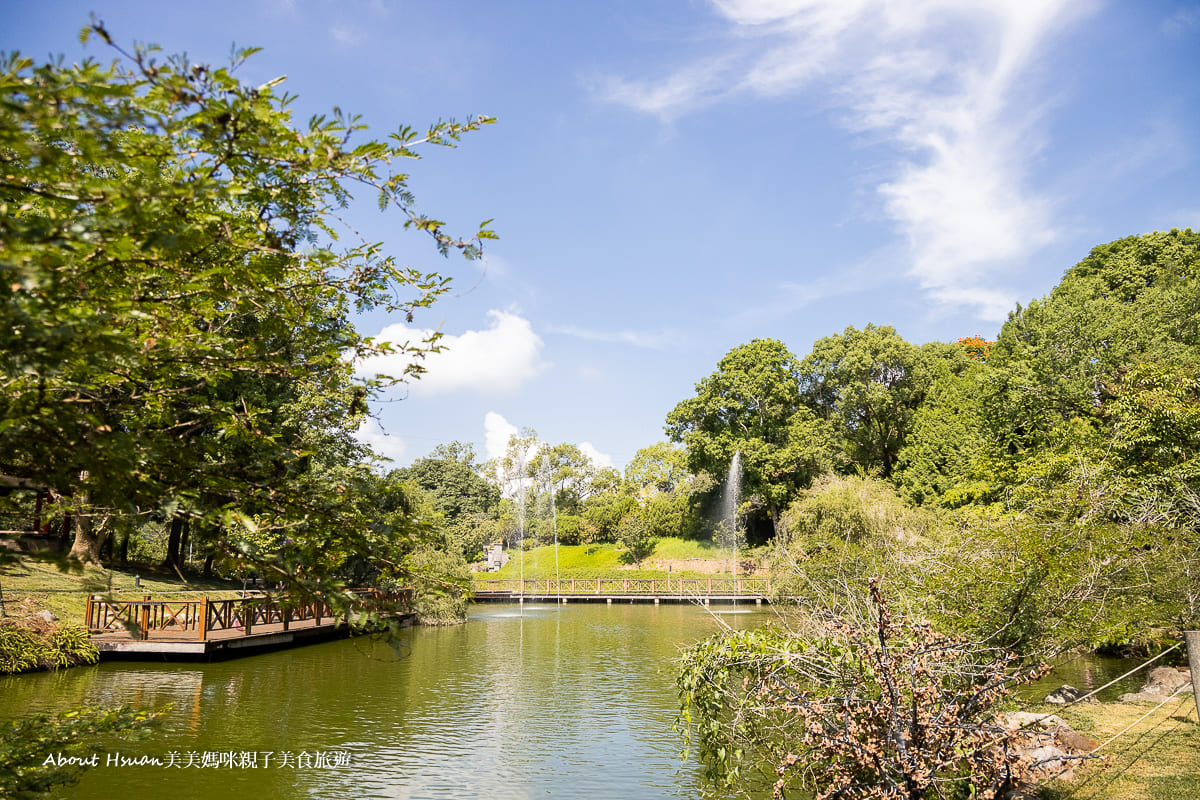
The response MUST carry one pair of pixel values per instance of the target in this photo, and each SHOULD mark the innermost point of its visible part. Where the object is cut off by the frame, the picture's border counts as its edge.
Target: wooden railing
(679, 587)
(204, 616)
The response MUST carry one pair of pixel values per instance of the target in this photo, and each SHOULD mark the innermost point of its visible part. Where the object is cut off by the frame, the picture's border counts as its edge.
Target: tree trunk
(89, 536)
(89, 539)
(37, 512)
(185, 541)
(208, 566)
(172, 559)
(125, 548)
(1192, 638)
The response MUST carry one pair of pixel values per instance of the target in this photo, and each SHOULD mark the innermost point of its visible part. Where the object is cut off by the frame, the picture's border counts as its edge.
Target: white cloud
(384, 444)
(496, 433)
(498, 359)
(945, 82)
(599, 459)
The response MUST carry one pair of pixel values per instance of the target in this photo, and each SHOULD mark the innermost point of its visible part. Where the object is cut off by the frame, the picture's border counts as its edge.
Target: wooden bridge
(625, 590)
(207, 628)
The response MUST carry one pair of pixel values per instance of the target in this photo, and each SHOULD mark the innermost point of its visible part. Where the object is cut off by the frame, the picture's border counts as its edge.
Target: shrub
(31, 644)
(440, 583)
(860, 705)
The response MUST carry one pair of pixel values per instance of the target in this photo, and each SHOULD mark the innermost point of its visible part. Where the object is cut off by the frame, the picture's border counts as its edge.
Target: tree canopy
(752, 404)
(177, 298)
(869, 383)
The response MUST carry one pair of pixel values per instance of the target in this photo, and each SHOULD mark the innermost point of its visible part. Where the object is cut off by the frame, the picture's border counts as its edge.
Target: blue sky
(672, 179)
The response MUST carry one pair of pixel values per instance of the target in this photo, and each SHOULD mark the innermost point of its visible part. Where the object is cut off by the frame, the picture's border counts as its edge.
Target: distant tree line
(1017, 499)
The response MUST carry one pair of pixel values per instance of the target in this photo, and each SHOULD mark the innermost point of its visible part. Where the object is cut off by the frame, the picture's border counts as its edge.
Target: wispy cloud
(944, 82)
(1184, 22)
(686, 89)
(650, 340)
(345, 35)
(841, 280)
(495, 360)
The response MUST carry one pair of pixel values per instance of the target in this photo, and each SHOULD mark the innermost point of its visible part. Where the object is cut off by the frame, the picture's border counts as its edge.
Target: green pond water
(555, 701)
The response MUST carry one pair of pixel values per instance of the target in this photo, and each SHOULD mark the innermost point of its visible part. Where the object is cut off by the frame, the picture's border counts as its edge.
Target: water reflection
(548, 700)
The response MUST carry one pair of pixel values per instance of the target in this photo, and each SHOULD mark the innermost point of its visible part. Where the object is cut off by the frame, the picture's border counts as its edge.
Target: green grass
(688, 548)
(31, 585)
(603, 560)
(1157, 759)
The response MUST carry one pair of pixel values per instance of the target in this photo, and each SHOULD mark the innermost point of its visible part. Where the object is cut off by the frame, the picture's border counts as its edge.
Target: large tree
(467, 503)
(946, 437)
(658, 468)
(751, 405)
(1089, 390)
(869, 383)
(1063, 356)
(175, 329)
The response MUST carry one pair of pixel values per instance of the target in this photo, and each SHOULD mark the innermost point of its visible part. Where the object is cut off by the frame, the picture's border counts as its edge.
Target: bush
(31, 644)
(571, 529)
(634, 535)
(857, 705)
(852, 510)
(440, 582)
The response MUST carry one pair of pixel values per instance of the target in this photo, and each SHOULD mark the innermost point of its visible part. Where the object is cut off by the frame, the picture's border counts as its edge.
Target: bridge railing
(682, 587)
(141, 618)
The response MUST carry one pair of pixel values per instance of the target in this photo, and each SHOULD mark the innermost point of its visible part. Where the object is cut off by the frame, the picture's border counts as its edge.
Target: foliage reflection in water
(567, 701)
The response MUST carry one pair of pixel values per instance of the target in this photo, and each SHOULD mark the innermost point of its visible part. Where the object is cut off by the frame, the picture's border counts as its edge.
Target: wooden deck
(623, 590)
(209, 629)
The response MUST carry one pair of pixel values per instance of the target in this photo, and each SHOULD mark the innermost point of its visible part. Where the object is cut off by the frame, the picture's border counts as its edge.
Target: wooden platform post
(145, 620)
(202, 619)
(1192, 638)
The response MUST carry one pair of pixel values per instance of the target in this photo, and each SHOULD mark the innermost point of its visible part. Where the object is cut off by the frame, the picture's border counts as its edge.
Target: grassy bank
(1157, 759)
(679, 557)
(31, 586)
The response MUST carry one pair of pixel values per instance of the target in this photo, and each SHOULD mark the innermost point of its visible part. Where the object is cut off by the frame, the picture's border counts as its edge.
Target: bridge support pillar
(656, 601)
(758, 601)
(608, 601)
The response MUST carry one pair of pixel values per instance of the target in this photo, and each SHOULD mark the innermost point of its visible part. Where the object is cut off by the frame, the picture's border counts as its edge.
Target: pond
(1088, 672)
(549, 701)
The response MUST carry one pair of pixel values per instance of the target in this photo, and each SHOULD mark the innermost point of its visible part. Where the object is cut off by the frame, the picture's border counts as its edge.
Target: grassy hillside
(682, 557)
